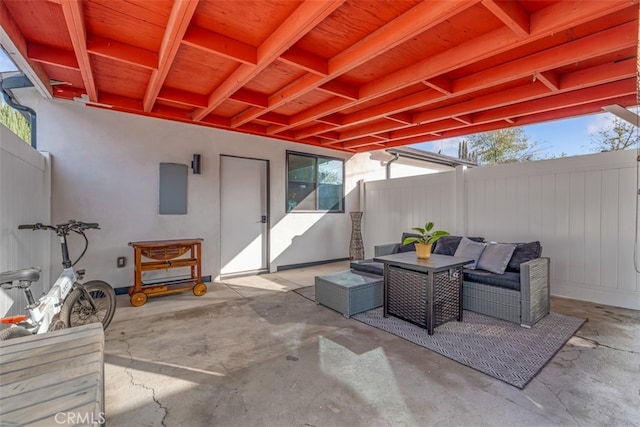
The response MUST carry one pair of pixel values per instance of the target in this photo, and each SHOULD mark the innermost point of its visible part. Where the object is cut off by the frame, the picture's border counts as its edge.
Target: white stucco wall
(105, 169)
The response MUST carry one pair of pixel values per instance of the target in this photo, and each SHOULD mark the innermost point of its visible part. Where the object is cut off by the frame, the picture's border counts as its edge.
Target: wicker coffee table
(425, 292)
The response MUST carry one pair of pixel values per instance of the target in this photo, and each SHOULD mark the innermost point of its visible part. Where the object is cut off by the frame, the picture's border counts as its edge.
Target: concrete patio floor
(252, 353)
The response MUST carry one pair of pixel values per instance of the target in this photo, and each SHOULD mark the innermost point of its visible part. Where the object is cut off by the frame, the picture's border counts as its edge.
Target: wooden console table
(164, 255)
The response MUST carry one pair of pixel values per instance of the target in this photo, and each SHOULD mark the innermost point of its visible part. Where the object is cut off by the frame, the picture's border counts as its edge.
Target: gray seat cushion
(508, 280)
(368, 266)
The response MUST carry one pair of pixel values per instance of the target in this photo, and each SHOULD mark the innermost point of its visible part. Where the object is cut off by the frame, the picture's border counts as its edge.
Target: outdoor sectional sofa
(520, 294)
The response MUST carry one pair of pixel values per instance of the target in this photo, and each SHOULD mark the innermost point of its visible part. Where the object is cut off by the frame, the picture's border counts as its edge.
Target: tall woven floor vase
(356, 247)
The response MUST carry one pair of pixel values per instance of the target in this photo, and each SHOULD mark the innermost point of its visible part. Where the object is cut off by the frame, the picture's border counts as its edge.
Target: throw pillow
(495, 257)
(407, 248)
(447, 245)
(524, 252)
(470, 250)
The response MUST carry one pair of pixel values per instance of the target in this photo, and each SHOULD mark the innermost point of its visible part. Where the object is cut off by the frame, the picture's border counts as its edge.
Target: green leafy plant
(426, 236)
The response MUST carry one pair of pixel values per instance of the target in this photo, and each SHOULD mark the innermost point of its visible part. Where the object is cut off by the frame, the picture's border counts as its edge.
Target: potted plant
(426, 240)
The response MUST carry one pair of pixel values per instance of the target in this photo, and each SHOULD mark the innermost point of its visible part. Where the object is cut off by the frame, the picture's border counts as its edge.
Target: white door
(244, 215)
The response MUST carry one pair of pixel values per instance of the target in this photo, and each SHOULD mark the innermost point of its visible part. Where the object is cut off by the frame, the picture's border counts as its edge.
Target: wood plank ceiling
(352, 75)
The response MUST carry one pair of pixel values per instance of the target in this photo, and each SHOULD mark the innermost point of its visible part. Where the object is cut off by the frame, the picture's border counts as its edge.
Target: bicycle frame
(42, 312)
(68, 302)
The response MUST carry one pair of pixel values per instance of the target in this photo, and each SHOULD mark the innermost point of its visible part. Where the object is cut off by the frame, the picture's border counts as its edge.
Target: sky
(5, 63)
(571, 137)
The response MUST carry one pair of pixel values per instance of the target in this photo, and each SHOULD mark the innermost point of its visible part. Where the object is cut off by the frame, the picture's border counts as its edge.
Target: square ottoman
(349, 293)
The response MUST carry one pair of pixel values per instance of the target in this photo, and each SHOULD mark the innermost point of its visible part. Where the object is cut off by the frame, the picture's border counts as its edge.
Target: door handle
(263, 220)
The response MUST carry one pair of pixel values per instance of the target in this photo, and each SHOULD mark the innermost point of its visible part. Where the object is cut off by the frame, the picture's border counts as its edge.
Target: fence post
(460, 201)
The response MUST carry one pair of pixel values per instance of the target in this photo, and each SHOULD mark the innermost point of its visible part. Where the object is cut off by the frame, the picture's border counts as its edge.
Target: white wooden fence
(582, 209)
(25, 193)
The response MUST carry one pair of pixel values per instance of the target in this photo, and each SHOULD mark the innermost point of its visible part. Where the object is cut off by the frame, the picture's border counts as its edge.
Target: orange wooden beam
(562, 113)
(417, 20)
(74, 18)
(370, 129)
(497, 99)
(250, 97)
(598, 75)
(328, 138)
(402, 138)
(592, 46)
(405, 118)
(462, 112)
(579, 50)
(122, 52)
(219, 44)
(511, 13)
(121, 103)
(604, 73)
(275, 118)
(396, 106)
(340, 89)
(305, 61)
(441, 84)
(544, 23)
(464, 119)
(428, 129)
(578, 110)
(67, 92)
(549, 79)
(171, 113)
(563, 100)
(52, 56)
(15, 45)
(309, 14)
(366, 141)
(217, 121)
(322, 110)
(318, 129)
(179, 19)
(182, 97)
(332, 119)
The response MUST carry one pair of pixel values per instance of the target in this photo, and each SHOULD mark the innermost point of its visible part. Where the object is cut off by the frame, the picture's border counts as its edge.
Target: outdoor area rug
(498, 348)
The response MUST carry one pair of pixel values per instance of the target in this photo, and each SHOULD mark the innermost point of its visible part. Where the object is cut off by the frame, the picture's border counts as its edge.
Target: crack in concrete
(528, 409)
(144, 386)
(557, 395)
(227, 372)
(598, 344)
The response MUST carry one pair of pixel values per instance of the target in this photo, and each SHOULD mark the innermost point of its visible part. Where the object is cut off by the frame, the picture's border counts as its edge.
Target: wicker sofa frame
(525, 306)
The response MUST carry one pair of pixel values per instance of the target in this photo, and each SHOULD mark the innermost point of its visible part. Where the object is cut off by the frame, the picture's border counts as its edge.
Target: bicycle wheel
(77, 309)
(13, 332)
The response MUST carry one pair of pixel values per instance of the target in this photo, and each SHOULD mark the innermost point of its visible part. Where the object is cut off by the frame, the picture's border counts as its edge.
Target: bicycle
(68, 303)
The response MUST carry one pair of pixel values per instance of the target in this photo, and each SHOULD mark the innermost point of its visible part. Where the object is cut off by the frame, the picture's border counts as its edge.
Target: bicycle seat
(26, 274)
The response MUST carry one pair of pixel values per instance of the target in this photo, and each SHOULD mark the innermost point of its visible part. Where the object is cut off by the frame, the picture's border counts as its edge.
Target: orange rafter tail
(13, 319)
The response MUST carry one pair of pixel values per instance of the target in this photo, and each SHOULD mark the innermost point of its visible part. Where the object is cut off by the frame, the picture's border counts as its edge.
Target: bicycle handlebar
(63, 229)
